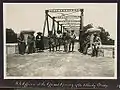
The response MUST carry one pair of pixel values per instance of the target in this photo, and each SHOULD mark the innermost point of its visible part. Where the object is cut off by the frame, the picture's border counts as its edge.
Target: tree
(105, 37)
(83, 36)
(11, 36)
(85, 28)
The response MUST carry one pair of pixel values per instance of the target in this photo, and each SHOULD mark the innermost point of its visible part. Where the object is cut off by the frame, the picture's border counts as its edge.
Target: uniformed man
(31, 43)
(39, 42)
(58, 39)
(65, 38)
(68, 36)
(86, 44)
(72, 40)
(51, 42)
(21, 44)
(95, 45)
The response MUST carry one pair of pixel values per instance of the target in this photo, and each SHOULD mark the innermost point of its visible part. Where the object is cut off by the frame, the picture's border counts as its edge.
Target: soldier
(51, 41)
(21, 44)
(95, 45)
(59, 38)
(65, 38)
(39, 42)
(86, 44)
(31, 43)
(81, 41)
(72, 40)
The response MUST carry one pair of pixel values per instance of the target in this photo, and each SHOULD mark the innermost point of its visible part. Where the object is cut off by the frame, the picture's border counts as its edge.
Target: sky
(31, 16)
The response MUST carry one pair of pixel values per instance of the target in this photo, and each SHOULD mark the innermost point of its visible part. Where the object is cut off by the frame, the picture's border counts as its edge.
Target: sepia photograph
(60, 40)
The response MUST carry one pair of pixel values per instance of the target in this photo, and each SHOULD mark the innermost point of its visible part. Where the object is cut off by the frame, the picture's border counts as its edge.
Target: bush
(11, 36)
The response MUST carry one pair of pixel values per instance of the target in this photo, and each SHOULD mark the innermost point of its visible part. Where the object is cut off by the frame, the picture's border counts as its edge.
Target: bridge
(67, 19)
(59, 63)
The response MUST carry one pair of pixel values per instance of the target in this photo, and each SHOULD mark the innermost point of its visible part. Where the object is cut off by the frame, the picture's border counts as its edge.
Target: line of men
(55, 41)
(67, 39)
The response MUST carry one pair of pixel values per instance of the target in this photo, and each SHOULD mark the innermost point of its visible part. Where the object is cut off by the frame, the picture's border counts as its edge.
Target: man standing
(58, 41)
(51, 42)
(86, 44)
(65, 38)
(39, 42)
(21, 44)
(31, 43)
(95, 45)
(72, 40)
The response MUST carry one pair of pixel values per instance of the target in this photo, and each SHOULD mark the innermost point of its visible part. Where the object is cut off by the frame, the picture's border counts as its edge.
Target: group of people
(55, 41)
(67, 39)
(33, 43)
(92, 42)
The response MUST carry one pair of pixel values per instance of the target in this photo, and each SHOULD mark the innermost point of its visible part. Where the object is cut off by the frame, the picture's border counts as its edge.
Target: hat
(95, 34)
(50, 32)
(72, 30)
(39, 33)
(67, 30)
(58, 31)
(64, 33)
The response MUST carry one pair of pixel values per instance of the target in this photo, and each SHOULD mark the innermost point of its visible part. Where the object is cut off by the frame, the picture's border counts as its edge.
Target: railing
(108, 47)
(11, 48)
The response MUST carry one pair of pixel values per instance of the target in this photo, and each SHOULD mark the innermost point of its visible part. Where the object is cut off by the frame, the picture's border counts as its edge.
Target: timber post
(46, 12)
(81, 28)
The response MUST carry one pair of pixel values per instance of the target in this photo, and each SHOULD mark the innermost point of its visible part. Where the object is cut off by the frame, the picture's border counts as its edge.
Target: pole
(53, 26)
(44, 26)
(81, 30)
(61, 27)
(57, 25)
(46, 11)
(113, 53)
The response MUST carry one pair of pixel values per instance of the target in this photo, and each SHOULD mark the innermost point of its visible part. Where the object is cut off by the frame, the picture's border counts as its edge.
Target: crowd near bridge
(87, 57)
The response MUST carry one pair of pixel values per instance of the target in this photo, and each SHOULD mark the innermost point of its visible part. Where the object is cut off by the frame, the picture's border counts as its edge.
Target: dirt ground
(73, 64)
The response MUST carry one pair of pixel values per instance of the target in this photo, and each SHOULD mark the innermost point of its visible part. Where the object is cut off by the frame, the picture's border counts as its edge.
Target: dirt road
(59, 64)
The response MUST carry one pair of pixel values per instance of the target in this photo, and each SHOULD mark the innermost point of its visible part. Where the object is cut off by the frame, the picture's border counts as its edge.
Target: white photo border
(21, 77)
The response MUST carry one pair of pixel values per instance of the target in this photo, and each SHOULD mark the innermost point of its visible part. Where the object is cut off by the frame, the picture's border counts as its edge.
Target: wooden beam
(47, 20)
(69, 20)
(64, 10)
(69, 16)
